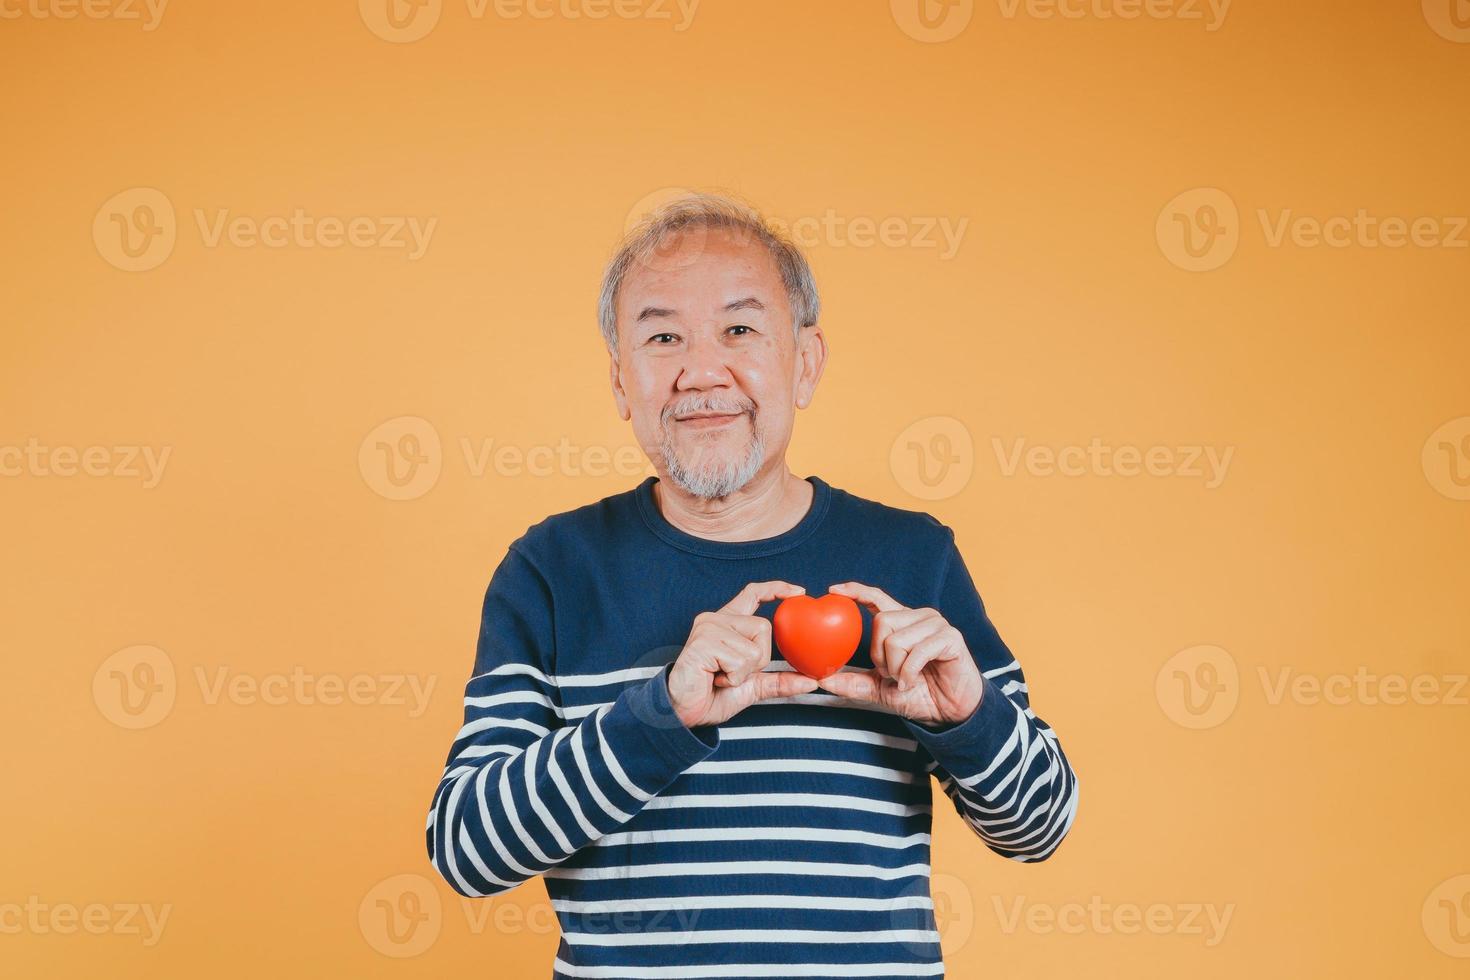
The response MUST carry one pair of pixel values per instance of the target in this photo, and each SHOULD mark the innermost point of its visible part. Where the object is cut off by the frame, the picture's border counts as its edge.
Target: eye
(741, 326)
(654, 339)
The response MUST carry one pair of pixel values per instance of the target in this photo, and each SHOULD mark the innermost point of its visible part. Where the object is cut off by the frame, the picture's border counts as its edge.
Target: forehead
(703, 265)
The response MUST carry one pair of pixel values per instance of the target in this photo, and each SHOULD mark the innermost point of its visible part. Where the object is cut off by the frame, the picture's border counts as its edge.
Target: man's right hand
(721, 670)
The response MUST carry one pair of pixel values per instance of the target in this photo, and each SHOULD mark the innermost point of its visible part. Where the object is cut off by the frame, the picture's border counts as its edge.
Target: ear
(619, 396)
(811, 360)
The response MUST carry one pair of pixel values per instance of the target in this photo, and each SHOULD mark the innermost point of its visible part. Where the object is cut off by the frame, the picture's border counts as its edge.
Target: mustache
(687, 408)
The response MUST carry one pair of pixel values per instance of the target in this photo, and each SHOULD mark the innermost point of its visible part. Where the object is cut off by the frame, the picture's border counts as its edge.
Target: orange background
(1334, 833)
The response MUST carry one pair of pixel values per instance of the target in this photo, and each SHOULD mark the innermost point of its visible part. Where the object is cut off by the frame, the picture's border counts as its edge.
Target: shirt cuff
(650, 741)
(967, 748)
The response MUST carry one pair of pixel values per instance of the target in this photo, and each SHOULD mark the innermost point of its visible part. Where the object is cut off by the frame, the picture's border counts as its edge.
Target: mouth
(708, 420)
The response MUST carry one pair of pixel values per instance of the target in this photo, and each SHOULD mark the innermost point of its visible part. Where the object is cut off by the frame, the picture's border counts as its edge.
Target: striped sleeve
(522, 790)
(1003, 768)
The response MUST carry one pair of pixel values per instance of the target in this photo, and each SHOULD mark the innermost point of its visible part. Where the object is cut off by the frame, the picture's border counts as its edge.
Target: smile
(708, 421)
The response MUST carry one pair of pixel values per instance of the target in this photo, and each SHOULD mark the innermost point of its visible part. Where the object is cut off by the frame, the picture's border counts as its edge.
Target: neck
(771, 503)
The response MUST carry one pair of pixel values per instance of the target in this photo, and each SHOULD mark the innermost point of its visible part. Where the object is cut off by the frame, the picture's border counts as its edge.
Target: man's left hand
(922, 668)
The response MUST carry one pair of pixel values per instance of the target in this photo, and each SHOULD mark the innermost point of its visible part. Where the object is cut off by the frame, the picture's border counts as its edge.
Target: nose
(704, 365)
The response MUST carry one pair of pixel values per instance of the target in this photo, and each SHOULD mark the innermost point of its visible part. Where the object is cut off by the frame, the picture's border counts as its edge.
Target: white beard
(719, 477)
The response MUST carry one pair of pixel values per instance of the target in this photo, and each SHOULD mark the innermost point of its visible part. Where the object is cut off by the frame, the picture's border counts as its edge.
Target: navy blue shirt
(791, 840)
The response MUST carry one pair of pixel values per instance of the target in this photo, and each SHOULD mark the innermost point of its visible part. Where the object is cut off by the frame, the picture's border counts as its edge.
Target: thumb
(857, 685)
(782, 684)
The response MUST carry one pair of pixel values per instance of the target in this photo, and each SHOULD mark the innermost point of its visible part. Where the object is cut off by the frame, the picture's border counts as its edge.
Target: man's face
(707, 367)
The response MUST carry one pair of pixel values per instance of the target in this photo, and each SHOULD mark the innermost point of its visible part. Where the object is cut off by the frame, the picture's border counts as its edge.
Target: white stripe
(681, 902)
(822, 834)
(547, 819)
(824, 766)
(817, 731)
(481, 724)
(749, 800)
(829, 869)
(514, 697)
(613, 766)
(553, 767)
(696, 936)
(754, 970)
(590, 783)
(607, 677)
(489, 825)
(512, 813)
(512, 670)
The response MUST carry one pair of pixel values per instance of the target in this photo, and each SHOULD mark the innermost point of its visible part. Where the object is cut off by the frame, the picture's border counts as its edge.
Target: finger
(899, 644)
(738, 658)
(859, 685)
(750, 597)
(869, 595)
(782, 684)
(922, 655)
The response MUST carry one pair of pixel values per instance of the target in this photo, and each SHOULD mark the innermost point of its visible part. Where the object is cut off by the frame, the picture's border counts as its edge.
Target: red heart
(818, 635)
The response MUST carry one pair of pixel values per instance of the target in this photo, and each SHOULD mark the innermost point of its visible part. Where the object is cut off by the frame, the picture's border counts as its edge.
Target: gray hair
(700, 210)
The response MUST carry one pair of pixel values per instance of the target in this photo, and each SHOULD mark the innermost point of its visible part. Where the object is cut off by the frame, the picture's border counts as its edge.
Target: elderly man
(698, 807)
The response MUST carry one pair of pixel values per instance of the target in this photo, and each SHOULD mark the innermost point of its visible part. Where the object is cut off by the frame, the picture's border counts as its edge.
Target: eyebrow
(747, 303)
